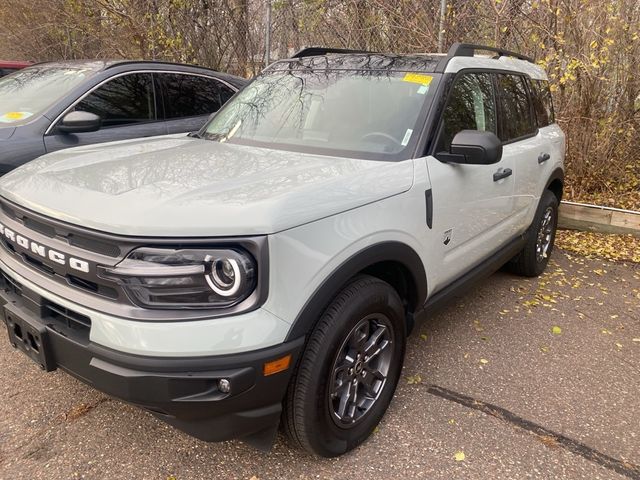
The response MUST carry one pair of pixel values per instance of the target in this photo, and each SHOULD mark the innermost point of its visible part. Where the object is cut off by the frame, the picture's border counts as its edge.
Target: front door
(472, 208)
(127, 107)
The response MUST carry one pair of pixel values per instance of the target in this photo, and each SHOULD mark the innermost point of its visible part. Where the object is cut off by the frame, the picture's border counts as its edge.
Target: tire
(312, 415)
(532, 260)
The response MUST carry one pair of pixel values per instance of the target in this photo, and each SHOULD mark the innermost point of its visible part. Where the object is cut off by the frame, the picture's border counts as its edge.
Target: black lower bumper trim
(181, 391)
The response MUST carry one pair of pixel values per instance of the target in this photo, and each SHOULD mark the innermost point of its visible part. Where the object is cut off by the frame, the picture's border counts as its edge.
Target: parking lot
(521, 378)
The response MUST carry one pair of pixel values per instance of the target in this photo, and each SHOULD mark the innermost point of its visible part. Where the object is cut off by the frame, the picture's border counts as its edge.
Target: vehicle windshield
(28, 93)
(368, 114)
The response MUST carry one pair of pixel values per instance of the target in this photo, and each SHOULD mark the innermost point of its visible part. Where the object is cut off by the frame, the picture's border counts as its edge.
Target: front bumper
(182, 391)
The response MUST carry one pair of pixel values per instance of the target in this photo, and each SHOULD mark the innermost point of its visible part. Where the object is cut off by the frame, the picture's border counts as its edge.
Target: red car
(9, 67)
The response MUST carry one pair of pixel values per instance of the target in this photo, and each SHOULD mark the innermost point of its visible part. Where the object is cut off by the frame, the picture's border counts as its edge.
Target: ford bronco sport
(268, 269)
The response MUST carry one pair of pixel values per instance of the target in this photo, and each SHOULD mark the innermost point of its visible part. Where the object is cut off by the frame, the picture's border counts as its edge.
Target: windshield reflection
(28, 93)
(369, 113)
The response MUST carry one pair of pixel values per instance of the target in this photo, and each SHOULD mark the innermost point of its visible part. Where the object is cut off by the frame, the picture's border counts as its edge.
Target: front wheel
(349, 370)
(533, 258)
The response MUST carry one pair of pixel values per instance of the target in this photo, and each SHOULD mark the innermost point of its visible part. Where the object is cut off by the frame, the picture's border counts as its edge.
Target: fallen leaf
(484, 361)
(459, 456)
(423, 336)
(544, 349)
(556, 330)
(414, 379)
(636, 340)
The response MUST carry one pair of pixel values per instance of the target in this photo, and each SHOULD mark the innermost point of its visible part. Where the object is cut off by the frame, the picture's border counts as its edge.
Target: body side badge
(446, 238)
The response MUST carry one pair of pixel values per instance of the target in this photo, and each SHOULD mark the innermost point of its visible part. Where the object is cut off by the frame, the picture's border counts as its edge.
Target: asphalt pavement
(520, 378)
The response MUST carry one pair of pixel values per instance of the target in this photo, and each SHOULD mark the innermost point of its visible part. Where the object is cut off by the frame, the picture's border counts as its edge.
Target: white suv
(270, 266)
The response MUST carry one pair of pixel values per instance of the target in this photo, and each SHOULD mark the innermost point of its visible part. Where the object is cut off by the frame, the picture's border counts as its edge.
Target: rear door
(127, 106)
(471, 211)
(523, 144)
(190, 99)
(535, 170)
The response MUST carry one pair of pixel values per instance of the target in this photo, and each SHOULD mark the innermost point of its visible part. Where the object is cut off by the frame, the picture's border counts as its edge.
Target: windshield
(360, 114)
(28, 93)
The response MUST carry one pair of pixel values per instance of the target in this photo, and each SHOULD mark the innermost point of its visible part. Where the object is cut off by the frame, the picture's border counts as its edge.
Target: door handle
(502, 173)
(543, 157)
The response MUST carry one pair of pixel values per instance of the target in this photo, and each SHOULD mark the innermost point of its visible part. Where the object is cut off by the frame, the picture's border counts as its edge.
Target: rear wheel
(533, 258)
(349, 370)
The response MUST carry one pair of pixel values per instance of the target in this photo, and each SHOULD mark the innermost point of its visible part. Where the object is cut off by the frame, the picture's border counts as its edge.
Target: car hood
(180, 186)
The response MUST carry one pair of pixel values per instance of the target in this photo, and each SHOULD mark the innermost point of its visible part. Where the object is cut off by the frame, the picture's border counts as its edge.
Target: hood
(177, 186)
(6, 132)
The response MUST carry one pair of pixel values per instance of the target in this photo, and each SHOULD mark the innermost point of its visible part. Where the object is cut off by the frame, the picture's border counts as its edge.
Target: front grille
(69, 241)
(10, 284)
(93, 287)
(39, 227)
(71, 319)
(63, 320)
(94, 245)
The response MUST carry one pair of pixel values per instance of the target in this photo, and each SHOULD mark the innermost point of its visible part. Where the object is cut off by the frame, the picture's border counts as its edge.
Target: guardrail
(581, 216)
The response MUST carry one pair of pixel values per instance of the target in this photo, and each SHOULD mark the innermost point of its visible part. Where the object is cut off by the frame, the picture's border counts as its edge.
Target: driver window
(125, 100)
(471, 106)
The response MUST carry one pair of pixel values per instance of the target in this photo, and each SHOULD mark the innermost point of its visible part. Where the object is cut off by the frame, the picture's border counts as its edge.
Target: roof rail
(314, 51)
(469, 50)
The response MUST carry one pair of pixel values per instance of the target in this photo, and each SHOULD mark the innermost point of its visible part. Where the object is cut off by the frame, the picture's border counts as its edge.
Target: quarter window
(192, 96)
(471, 106)
(517, 120)
(125, 100)
(542, 102)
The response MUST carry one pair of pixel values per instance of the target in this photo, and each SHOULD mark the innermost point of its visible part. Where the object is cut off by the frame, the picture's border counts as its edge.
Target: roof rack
(314, 51)
(469, 50)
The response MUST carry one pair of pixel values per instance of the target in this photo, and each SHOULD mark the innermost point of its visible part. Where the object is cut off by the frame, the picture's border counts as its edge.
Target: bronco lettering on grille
(43, 251)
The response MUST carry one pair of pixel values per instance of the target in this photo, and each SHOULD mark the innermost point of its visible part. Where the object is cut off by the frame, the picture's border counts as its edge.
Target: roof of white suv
(459, 57)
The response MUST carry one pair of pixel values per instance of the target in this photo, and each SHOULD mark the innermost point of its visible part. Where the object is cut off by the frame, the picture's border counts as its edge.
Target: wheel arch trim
(556, 175)
(389, 251)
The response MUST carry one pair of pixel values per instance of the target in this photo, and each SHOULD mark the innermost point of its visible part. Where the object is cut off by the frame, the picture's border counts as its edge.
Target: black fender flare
(557, 174)
(380, 252)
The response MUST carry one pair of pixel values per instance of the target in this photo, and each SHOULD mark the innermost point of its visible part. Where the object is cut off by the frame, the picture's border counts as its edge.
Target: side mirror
(79, 122)
(473, 147)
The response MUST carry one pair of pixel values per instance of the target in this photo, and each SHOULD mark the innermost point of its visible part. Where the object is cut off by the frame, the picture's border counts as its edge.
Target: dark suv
(50, 106)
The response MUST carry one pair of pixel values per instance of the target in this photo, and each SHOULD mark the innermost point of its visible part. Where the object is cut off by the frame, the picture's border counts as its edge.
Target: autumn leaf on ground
(556, 330)
(625, 248)
(484, 361)
(459, 456)
(423, 336)
(414, 379)
(544, 349)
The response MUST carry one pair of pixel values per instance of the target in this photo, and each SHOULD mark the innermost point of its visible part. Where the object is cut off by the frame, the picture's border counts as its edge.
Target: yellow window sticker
(10, 117)
(418, 78)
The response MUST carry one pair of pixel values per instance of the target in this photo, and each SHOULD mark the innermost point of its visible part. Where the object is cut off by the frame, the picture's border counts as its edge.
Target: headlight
(186, 278)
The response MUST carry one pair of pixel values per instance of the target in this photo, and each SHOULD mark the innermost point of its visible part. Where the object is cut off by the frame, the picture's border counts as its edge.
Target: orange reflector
(276, 366)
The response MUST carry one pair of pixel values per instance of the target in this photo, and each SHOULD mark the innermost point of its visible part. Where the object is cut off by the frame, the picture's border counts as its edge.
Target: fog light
(224, 385)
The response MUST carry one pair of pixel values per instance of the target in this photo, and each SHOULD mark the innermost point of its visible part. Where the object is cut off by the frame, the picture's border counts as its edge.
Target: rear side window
(471, 106)
(192, 96)
(542, 102)
(124, 100)
(517, 119)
